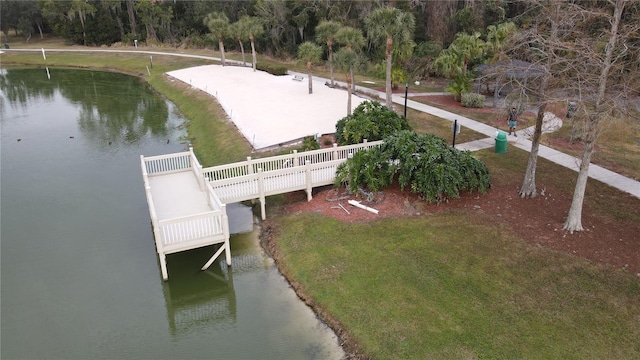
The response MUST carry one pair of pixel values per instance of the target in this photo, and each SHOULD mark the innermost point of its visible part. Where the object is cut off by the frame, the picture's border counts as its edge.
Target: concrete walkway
(599, 173)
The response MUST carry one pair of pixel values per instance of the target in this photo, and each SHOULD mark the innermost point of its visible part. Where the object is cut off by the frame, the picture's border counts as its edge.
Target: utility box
(501, 142)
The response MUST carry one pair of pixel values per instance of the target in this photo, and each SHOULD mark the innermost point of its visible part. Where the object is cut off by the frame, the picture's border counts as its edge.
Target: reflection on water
(197, 298)
(110, 108)
(240, 218)
(193, 302)
(80, 275)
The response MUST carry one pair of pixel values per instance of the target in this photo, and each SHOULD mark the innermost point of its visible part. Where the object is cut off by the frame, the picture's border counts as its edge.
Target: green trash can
(501, 142)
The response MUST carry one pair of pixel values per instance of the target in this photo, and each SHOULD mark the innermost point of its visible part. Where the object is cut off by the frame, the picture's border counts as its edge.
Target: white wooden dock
(187, 203)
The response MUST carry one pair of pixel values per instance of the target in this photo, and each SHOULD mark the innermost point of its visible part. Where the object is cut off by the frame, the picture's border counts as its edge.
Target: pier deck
(187, 204)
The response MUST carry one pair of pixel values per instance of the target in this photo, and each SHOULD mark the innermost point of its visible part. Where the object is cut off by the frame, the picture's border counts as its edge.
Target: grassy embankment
(450, 285)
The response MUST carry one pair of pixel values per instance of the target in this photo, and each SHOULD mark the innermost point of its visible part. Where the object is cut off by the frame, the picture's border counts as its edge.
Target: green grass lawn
(424, 123)
(450, 287)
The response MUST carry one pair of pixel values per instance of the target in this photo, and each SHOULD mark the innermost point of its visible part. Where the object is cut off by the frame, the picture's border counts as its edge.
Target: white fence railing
(247, 180)
(167, 164)
(191, 231)
(251, 166)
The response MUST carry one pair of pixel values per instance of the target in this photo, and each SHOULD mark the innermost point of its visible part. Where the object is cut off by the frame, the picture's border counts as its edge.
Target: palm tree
(352, 39)
(346, 59)
(218, 24)
(325, 34)
(254, 28)
(309, 53)
(394, 27)
(497, 36)
(468, 48)
(238, 32)
(454, 61)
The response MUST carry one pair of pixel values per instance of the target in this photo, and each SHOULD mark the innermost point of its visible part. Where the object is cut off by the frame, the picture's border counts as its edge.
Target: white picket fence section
(258, 178)
(247, 180)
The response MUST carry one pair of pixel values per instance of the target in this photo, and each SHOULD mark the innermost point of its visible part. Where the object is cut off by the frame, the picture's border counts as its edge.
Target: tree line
(287, 23)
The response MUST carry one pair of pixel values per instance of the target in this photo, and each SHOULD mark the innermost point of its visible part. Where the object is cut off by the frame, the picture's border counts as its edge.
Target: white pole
(307, 165)
(357, 204)
(43, 55)
(48, 74)
(163, 266)
(263, 210)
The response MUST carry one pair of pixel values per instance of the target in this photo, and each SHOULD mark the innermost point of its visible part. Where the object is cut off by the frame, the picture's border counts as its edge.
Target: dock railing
(251, 166)
(256, 179)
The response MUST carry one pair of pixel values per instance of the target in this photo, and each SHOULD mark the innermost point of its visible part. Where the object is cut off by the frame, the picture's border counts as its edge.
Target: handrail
(178, 219)
(214, 200)
(251, 166)
(166, 164)
(192, 228)
(152, 208)
(197, 169)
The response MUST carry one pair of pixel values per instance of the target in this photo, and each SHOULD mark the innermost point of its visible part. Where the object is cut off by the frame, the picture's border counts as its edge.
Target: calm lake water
(80, 275)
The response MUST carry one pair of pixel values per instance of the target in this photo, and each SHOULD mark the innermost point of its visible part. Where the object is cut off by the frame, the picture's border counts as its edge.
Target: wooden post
(198, 169)
(263, 210)
(335, 152)
(225, 231)
(296, 159)
(307, 170)
(163, 266)
(249, 165)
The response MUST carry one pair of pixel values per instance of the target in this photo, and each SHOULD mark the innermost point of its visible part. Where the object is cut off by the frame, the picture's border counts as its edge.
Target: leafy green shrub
(309, 143)
(370, 120)
(424, 163)
(272, 69)
(472, 100)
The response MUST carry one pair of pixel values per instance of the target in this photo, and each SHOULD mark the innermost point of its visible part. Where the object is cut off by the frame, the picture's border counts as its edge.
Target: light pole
(406, 92)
